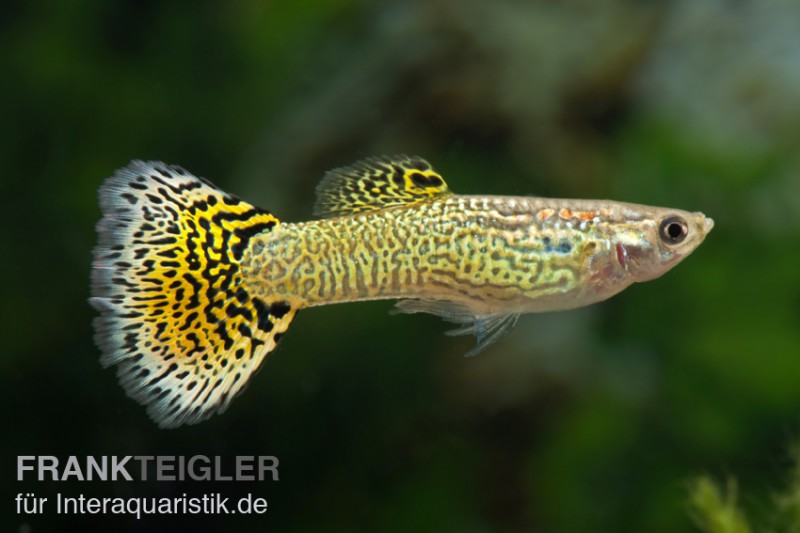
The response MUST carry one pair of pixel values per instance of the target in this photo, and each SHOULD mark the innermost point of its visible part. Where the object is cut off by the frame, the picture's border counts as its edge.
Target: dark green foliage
(590, 420)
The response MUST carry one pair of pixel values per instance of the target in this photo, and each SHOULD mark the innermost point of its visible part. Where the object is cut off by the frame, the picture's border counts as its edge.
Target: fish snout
(708, 224)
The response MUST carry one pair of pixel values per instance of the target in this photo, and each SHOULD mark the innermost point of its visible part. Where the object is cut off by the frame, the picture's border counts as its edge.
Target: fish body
(489, 254)
(195, 287)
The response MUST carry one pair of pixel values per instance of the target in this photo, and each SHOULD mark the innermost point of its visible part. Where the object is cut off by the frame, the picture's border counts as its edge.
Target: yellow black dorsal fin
(377, 183)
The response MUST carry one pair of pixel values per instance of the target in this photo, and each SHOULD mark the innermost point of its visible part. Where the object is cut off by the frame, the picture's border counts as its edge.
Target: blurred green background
(589, 420)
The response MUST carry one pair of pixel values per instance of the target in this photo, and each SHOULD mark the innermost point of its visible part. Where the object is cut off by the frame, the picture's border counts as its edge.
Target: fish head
(657, 239)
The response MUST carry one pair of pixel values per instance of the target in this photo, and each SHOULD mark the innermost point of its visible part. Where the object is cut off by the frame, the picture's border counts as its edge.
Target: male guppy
(195, 287)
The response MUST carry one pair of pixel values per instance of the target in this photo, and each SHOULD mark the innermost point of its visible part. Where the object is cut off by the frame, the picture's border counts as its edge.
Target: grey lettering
(201, 473)
(22, 467)
(267, 462)
(94, 468)
(50, 464)
(165, 468)
(143, 462)
(244, 468)
(217, 470)
(73, 469)
(118, 467)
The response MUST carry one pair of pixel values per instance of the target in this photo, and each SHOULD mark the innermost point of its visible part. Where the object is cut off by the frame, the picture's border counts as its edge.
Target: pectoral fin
(487, 328)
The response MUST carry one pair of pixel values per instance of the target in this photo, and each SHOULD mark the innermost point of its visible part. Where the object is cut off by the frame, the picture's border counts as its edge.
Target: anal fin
(488, 328)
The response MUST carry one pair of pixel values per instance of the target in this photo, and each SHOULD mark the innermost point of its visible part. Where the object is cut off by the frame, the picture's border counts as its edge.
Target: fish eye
(673, 230)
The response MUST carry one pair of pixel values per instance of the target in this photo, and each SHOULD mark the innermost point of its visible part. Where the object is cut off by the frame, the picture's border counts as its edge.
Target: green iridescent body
(195, 287)
(489, 254)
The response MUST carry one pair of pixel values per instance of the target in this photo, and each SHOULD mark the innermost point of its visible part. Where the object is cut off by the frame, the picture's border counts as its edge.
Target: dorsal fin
(377, 183)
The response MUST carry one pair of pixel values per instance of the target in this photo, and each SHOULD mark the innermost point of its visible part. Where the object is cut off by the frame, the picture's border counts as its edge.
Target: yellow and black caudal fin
(377, 183)
(175, 315)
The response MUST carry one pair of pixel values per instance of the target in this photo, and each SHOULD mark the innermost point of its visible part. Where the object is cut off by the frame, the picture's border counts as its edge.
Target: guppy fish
(195, 286)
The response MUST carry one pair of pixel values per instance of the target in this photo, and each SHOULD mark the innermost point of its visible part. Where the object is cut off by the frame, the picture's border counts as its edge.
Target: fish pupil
(674, 230)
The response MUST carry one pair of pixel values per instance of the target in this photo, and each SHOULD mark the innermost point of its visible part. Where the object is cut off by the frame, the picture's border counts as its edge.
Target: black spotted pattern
(377, 183)
(175, 315)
